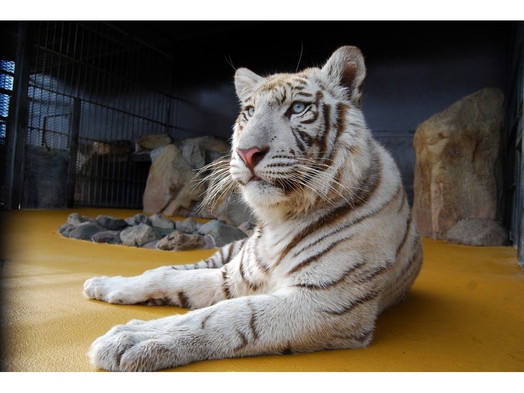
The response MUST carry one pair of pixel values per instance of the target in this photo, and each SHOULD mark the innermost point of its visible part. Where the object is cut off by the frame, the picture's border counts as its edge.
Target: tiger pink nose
(252, 156)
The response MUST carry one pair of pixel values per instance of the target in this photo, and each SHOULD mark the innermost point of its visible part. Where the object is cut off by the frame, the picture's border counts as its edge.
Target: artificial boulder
(458, 170)
(170, 188)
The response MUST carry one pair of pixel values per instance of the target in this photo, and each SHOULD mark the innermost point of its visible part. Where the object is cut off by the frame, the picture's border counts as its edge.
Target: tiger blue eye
(251, 111)
(298, 107)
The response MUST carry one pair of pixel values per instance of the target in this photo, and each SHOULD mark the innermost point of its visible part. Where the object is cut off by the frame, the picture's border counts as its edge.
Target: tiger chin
(334, 245)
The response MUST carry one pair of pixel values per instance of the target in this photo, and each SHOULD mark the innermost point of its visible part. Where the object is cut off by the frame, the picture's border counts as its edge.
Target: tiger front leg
(232, 328)
(246, 326)
(164, 285)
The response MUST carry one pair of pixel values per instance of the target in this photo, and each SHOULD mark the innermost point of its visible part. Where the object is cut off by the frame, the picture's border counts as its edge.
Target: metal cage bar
(122, 89)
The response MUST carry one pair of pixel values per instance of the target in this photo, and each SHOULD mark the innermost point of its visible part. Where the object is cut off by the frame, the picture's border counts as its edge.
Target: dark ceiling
(244, 40)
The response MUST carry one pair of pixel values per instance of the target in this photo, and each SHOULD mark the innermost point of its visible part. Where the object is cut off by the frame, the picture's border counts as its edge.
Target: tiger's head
(300, 139)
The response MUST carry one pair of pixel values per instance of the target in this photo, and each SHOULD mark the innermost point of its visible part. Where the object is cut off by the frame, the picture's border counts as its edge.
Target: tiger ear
(245, 82)
(346, 68)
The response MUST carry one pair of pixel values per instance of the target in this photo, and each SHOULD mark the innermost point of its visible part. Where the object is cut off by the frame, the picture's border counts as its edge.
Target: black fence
(91, 90)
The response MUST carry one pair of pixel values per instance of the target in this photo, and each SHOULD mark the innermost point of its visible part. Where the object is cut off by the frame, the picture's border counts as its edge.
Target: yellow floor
(465, 312)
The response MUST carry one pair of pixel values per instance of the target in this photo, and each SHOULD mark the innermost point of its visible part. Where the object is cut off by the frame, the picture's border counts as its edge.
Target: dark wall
(415, 69)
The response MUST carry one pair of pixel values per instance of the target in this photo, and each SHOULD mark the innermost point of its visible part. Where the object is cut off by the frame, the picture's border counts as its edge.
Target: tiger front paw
(142, 346)
(114, 290)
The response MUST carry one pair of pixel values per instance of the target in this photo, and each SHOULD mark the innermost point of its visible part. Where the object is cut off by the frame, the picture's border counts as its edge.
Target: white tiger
(334, 246)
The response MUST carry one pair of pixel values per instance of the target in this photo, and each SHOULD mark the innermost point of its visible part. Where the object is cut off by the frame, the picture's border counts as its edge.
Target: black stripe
(250, 284)
(404, 201)
(225, 285)
(312, 119)
(416, 252)
(256, 256)
(360, 337)
(407, 231)
(304, 137)
(340, 127)
(301, 80)
(355, 303)
(229, 252)
(298, 141)
(252, 321)
(323, 138)
(204, 321)
(244, 340)
(368, 276)
(304, 93)
(315, 257)
(335, 282)
(287, 350)
(183, 300)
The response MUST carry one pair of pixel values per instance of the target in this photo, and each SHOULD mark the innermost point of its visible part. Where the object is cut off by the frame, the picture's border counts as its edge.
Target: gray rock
(189, 225)
(85, 231)
(222, 233)
(138, 235)
(111, 223)
(178, 241)
(109, 237)
(152, 245)
(209, 242)
(66, 229)
(77, 219)
(478, 232)
(161, 221)
(164, 232)
(138, 219)
(230, 208)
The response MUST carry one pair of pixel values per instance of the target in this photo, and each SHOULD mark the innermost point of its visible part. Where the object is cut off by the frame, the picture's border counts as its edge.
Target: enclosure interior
(77, 95)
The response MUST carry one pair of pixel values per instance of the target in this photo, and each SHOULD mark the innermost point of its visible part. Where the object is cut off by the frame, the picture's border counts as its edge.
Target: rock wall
(458, 170)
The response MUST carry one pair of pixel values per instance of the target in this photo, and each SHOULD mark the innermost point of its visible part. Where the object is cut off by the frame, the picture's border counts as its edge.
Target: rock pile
(154, 232)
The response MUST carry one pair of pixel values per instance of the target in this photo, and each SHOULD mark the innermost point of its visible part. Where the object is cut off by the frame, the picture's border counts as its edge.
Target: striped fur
(334, 246)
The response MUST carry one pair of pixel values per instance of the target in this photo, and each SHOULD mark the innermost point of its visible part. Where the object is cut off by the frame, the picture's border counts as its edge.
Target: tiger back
(334, 245)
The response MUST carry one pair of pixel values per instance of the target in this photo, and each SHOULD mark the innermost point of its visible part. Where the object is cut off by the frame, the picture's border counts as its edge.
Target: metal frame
(112, 86)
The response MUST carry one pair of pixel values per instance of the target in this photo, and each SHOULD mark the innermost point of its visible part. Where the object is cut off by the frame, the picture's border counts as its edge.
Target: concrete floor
(464, 313)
